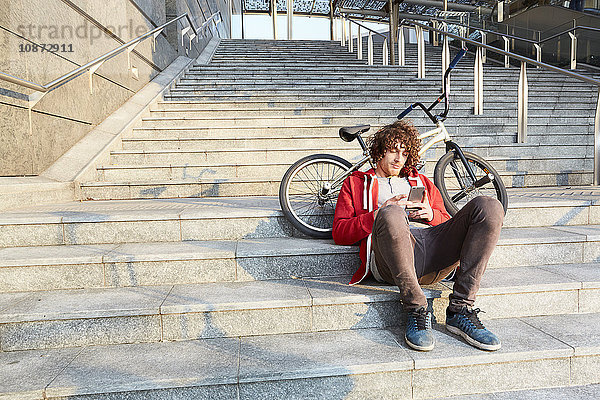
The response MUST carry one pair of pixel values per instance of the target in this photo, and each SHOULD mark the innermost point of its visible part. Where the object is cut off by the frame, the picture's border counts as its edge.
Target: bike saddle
(349, 133)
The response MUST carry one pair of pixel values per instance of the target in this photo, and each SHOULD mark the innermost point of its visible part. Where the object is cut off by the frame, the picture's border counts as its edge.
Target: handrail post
(370, 48)
(597, 142)
(359, 44)
(435, 36)
(573, 50)
(478, 82)
(290, 17)
(523, 95)
(401, 47)
(92, 71)
(507, 49)
(420, 53)
(343, 42)
(351, 47)
(274, 16)
(483, 50)
(386, 53)
(538, 53)
(445, 57)
(500, 17)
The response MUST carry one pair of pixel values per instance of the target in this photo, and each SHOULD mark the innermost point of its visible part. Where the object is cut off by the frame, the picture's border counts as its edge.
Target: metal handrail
(509, 54)
(484, 30)
(359, 40)
(589, 28)
(522, 88)
(517, 37)
(97, 61)
(364, 27)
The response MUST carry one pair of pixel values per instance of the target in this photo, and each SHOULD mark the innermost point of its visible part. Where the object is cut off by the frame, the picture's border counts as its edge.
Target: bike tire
(451, 178)
(299, 192)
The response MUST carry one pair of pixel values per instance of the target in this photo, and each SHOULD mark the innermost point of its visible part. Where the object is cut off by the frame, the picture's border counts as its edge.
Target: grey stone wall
(30, 141)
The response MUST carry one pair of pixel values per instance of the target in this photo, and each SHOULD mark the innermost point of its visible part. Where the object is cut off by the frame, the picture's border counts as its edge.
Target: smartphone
(416, 194)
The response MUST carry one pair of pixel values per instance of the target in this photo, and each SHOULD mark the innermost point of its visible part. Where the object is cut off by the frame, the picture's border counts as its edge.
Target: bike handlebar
(457, 58)
(444, 95)
(405, 112)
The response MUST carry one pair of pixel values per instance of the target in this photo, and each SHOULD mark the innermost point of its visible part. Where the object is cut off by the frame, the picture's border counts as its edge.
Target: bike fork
(450, 146)
(477, 183)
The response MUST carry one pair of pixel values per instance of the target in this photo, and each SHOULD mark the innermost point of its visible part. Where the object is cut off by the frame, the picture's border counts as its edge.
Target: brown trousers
(410, 257)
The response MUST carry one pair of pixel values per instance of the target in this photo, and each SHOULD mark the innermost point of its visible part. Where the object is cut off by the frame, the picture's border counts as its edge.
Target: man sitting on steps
(372, 209)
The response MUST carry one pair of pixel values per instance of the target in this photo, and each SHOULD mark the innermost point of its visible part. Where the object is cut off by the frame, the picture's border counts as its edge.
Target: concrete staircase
(186, 281)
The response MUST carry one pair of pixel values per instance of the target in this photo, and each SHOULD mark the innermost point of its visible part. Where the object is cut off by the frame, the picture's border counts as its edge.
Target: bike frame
(440, 134)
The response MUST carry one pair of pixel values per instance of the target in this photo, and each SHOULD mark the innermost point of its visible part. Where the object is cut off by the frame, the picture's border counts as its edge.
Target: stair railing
(191, 31)
(537, 44)
(348, 35)
(573, 36)
(522, 89)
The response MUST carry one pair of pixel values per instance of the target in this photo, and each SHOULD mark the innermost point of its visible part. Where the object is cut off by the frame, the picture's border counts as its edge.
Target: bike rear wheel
(458, 188)
(304, 197)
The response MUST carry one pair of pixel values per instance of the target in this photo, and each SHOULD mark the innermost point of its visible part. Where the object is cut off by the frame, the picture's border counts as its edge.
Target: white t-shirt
(390, 187)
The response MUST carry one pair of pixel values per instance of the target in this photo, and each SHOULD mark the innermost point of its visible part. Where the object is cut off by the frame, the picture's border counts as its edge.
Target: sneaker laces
(422, 322)
(474, 318)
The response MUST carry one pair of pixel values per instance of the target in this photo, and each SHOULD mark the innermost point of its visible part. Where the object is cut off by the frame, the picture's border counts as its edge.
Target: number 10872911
(49, 47)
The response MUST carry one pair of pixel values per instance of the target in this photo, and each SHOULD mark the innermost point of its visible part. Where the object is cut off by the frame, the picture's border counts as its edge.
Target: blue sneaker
(419, 334)
(466, 323)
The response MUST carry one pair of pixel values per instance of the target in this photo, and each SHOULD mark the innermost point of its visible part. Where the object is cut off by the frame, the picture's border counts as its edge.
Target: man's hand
(422, 210)
(419, 210)
(399, 200)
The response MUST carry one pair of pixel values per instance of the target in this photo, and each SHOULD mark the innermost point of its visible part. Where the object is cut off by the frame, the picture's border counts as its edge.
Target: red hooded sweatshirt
(355, 209)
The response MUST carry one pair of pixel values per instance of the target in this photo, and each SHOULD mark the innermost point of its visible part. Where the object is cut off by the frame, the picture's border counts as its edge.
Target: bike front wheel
(306, 196)
(458, 188)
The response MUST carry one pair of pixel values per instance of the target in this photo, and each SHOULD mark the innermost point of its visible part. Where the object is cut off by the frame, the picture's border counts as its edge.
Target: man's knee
(392, 213)
(392, 218)
(490, 208)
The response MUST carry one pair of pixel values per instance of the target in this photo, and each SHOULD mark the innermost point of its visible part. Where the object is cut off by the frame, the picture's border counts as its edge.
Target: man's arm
(348, 227)
(440, 214)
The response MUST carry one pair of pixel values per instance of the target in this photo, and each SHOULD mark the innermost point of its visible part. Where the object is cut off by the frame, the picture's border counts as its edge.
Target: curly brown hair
(388, 137)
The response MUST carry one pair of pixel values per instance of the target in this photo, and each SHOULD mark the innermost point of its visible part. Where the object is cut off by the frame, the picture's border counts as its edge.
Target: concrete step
(474, 126)
(358, 91)
(358, 98)
(232, 156)
(583, 392)
(459, 80)
(579, 132)
(54, 319)
(343, 105)
(233, 218)
(403, 74)
(550, 351)
(209, 187)
(339, 120)
(223, 171)
(185, 140)
(189, 139)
